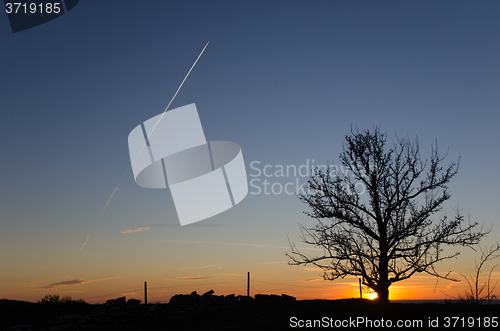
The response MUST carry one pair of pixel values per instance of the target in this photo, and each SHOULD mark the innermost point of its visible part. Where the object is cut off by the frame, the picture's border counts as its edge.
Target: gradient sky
(283, 79)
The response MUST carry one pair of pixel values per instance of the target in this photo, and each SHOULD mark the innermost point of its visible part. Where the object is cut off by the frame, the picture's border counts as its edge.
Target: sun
(371, 296)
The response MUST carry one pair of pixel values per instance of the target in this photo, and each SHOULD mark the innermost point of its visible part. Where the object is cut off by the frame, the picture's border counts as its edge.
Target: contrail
(145, 143)
(85, 243)
(203, 50)
(116, 189)
(111, 197)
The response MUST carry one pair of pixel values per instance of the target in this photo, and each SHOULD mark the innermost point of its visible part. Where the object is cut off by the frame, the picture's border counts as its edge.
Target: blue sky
(283, 79)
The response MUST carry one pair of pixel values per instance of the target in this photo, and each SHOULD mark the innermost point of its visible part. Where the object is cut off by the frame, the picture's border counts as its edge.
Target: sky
(285, 80)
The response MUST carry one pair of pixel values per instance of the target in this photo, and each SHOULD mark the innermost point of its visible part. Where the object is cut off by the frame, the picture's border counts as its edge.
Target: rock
(174, 299)
(120, 301)
(192, 302)
(133, 302)
(282, 297)
(208, 294)
(244, 297)
(115, 302)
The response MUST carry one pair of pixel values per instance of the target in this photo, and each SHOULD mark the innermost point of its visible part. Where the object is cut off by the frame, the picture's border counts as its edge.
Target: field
(265, 313)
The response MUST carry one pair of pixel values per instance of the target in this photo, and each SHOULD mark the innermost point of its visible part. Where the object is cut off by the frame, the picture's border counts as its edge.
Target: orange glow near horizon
(99, 290)
(417, 288)
(105, 281)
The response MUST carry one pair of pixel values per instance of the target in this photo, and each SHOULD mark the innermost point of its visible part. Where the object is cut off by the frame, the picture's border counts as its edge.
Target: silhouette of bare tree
(481, 293)
(379, 213)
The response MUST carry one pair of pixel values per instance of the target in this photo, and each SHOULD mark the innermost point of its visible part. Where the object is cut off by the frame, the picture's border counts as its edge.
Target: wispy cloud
(44, 280)
(135, 230)
(194, 278)
(73, 282)
(66, 283)
(203, 267)
(311, 280)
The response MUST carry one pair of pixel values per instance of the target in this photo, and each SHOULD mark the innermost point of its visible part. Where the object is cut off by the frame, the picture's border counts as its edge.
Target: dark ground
(265, 314)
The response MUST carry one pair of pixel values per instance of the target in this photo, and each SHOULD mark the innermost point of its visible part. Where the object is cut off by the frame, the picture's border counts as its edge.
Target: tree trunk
(383, 293)
(384, 283)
